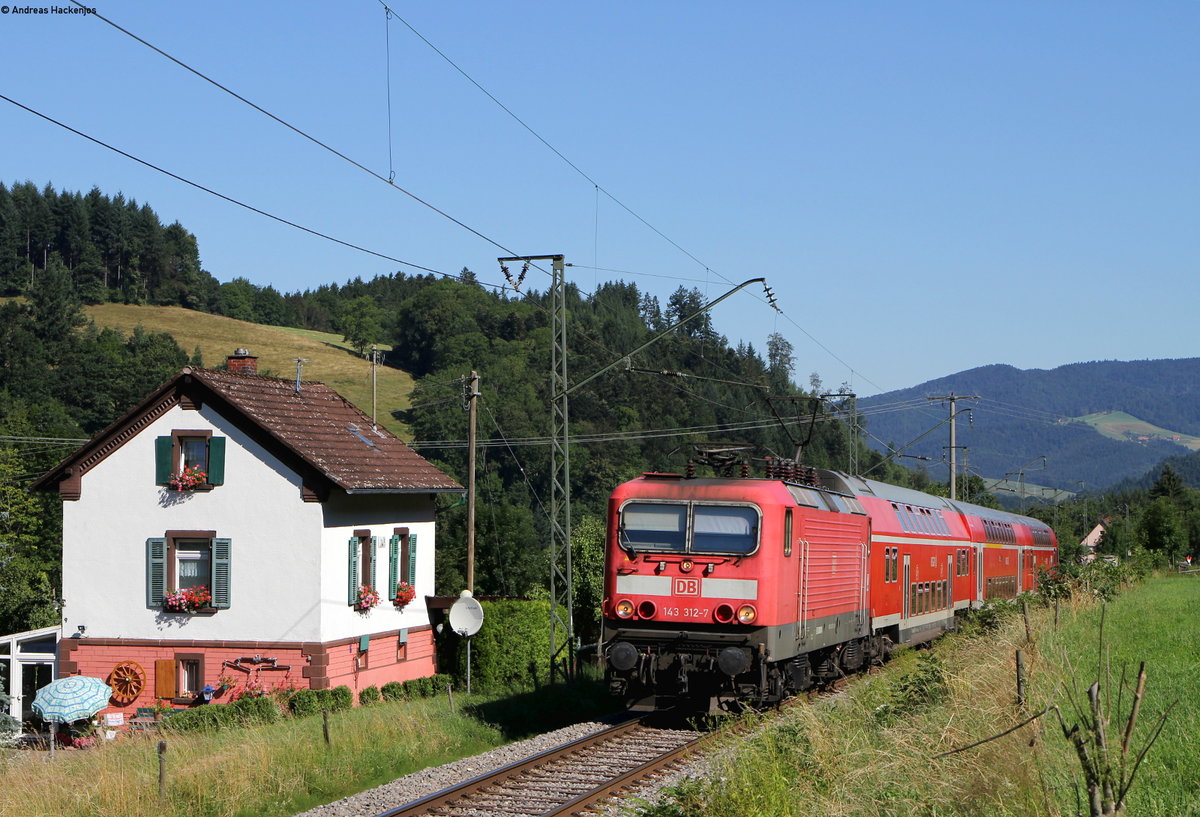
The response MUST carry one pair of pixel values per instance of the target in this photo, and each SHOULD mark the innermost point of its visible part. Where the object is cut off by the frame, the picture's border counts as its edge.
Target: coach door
(1020, 569)
(978, 573)
(907, 590)
(949, 583)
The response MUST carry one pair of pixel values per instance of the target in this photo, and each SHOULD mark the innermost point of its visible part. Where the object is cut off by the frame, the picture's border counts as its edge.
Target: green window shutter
(156, 570)
(221, 555)
(163, 448)
(353, 567)
(412, 559)
(393, 565)
(216, 461)
(374, 559)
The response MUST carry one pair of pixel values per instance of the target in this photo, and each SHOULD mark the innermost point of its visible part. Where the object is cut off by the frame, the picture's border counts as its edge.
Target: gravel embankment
(435, 778)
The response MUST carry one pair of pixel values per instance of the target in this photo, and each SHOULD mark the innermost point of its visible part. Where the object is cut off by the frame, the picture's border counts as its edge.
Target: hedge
(512, 648)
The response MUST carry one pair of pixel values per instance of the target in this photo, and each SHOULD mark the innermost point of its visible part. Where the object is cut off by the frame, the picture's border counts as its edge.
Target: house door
(31, 676)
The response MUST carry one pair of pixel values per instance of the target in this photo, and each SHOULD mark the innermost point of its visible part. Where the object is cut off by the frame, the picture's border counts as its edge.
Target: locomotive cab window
(690, 527)
(646, 526)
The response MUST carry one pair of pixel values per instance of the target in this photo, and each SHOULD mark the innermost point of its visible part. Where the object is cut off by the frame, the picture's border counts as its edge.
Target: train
(733, 591)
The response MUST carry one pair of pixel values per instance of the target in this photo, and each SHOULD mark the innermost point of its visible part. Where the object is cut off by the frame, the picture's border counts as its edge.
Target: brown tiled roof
(328, 432)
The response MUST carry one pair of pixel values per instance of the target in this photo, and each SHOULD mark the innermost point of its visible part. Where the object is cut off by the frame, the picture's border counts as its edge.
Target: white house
(220, 535)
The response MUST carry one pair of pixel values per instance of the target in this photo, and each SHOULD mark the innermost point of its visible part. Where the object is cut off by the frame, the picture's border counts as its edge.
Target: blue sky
(927, 186)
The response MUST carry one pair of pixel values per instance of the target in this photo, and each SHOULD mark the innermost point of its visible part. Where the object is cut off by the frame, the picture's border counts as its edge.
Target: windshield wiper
(624, 543)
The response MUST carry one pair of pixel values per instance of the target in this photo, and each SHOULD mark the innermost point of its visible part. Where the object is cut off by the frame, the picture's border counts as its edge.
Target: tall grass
(1155, 622)
(278, 769)
(870, 751)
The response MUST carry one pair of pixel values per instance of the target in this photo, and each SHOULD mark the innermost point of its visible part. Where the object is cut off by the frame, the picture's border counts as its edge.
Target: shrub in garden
(305, 702)
(200, 719)
(511, 649)
(341, 698)
(368, 695)
(393, 691)
(253, 710)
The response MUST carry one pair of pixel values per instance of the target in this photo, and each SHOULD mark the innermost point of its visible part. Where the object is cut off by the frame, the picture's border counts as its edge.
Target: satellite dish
(466, 615)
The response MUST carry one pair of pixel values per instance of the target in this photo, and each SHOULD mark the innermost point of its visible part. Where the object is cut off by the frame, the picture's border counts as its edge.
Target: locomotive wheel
(127, 680)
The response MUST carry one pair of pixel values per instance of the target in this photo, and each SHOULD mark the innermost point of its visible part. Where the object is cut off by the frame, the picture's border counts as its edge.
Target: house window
(402, 560)
(187, 560)
(189, 448)
(180, 678)
(189, 678)
(361, 565)
(193, 564)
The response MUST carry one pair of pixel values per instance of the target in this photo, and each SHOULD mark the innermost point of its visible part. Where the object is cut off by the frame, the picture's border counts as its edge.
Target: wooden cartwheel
(127, 680)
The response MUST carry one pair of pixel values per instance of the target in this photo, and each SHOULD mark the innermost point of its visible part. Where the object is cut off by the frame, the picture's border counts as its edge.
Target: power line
(293, 128)
(232, 200)
(545, 142)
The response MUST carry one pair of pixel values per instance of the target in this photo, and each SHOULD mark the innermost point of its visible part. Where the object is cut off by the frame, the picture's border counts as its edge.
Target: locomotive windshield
(690, 527)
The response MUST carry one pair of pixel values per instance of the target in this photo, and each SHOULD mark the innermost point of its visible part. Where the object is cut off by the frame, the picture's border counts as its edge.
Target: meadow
(874, 749)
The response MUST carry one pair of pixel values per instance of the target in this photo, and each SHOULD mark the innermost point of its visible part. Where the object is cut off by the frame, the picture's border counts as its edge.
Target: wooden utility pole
(472, 412)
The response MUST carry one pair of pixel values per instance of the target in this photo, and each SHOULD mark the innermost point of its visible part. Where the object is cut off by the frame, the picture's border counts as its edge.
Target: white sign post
(466, 617)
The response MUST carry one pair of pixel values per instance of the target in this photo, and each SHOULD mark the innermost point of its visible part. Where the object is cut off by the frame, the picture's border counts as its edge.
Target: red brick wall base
(254, 667)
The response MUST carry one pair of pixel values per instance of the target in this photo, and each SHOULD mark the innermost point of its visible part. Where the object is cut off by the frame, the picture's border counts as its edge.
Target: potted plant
(367, 598)
(188, 600)
(189, 479)
(405, 593)
(226, 682)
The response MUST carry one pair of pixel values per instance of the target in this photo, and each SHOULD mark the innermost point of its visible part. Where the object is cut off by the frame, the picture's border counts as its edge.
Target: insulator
(691, 469)
(745, 470)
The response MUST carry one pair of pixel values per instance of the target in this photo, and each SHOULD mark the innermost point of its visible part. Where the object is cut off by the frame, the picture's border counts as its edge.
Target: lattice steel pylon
(562, 593)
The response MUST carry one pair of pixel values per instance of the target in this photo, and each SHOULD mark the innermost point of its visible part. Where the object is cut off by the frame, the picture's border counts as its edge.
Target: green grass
(329, 358)
(1117, 425)
(1154, 622)
(870, 751)
(283, 768)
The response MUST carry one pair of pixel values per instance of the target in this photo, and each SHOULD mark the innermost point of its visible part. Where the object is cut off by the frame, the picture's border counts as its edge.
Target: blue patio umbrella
(72, 698)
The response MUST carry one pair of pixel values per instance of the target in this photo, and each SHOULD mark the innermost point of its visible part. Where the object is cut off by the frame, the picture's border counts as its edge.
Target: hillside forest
(63, 379)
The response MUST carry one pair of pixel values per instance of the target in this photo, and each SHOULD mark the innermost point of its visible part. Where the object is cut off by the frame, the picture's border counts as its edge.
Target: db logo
(686, 587)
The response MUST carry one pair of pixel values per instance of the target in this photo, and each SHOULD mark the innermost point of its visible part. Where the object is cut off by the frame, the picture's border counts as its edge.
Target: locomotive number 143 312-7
(687, 612)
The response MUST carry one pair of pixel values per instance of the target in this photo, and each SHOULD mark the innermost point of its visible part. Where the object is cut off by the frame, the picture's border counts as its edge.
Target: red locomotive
(721, 590)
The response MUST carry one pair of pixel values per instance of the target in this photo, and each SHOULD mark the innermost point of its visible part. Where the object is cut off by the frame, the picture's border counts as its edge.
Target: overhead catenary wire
(230, 199)
(390, 182)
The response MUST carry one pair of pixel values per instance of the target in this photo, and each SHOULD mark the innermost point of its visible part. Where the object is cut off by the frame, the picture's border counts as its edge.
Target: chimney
(242, 361)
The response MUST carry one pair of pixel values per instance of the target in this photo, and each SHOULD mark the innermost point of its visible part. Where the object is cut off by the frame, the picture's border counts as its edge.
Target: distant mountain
(1022, 415)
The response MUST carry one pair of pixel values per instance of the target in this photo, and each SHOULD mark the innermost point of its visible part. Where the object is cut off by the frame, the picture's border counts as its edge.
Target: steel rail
(506, 773)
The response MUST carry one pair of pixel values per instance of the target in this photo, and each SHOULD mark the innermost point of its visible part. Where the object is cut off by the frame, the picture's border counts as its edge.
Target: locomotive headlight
(624, 608)
(723, 614)
(686, 566)
(647, 609)
(746, 614)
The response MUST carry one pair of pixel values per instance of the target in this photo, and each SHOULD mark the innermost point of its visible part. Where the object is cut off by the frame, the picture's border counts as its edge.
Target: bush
(10, 727)
(369, 695)
(341, 698)
(512, 649)
(393, 691)
(926, 685)
(305, 702)
(249, 711)
(205, 718)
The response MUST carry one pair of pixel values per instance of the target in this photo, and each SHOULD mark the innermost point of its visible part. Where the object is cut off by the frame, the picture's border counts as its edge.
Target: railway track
(571, 779)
